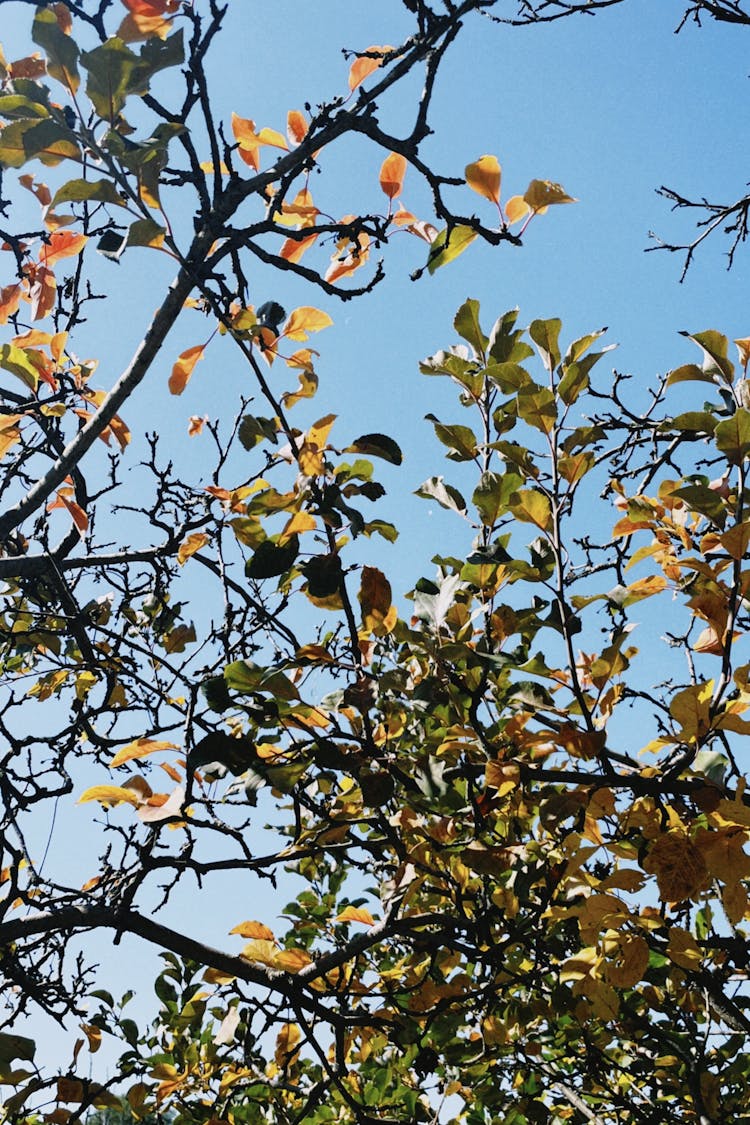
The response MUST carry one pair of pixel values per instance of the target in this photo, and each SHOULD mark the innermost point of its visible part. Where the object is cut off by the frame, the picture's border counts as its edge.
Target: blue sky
(611, 106)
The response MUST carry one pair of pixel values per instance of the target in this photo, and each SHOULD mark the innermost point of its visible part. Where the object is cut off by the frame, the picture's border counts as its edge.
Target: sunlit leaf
(483, 177)
(140, 748)
(365, 64)
(183, 368)
(448, 245)
(109, 796)
(392, 174)
(541, 194)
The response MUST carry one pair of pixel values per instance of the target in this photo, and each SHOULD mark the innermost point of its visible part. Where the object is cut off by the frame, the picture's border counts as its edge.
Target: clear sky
(611, 106)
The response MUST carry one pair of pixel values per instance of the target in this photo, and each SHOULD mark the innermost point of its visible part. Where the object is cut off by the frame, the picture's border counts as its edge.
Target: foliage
(513, 846)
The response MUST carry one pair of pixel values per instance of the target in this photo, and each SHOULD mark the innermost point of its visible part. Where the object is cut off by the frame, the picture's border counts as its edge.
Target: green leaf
(85, 191)
(492, 495)
(466, 323)
(461, 440)
(17, 361)
(545, 334)
(253, 430)
(61, 50)
(715, 348)
(18, 106)
(243, 676)
(16, 1047)
(45, 140)
(377, 445)
(537, 407)
(506, 342)
(580, 346)
(692, 421)
(733, 436)
(445, 494)
(116, 73)
(688, 371)
(271, 559)
(145, 232)
(448, 246)
(508, 376)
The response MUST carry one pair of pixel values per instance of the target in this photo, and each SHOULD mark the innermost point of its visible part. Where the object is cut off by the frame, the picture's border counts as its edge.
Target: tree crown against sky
(502, 874)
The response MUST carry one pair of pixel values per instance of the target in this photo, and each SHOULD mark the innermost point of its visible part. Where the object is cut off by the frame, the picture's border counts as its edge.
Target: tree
(514, 856)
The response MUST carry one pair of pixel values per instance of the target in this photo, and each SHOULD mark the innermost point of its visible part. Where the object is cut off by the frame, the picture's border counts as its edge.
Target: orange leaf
(10, 299)
(80, 519)
(63, 17)
(303, 321)
(140, 748)
(483, 177)
(32, 66)
(296, 126)
(356, 914)
(190, 545)
(392, 174)
(541, 194)
(349, 256)
(62, 244)
(402, 217)
(293, 248)
(43, 293)
(183, 368)
(151, 8)
(292, 960)
(196, 424)
(253, 930)
(369, 61)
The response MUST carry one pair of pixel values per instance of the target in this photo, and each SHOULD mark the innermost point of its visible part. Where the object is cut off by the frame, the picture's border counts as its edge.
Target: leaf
(516, 209)
(42, 293)
(545, 334)
(532, 506)
(715, 348)
(154, 811)
(272, 559)
(183, 368)
(541, 194)
(109, 796)
(253, 930)
(355, 914)
(47, 141)
(448, 245)
(190, 545)
(304, 320)
(484, 176)
(86, 191)
(18, 363)
(466, 323)
(296, 127)
(15, 1047)
(140, 748)
(375, 599)
(392, 172)
(445, 494)
(364, 65)
(60, 49)
(733, 436)
(377, 445)
(62, 244)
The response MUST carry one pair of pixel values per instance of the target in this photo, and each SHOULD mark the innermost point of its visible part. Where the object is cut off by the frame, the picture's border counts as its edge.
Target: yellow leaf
(541, 194)
(304, 320)
(484, 176)
(734, 901)
(743, 347)
(286, 1041)
(190, 545)
(94, 1036)
(629, 961)
(261, 950)
(183, 369)
(109, 796)
(679, 867)
(392, 174)
(516, 209)
(364, 66)
(374, 597)
(253, 930)
(140, 748)
(292, 960)
(299, 523)
(356, 914)
(683, 949)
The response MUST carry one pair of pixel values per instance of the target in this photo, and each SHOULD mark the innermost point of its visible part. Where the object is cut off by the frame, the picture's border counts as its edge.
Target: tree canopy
(507, 859)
